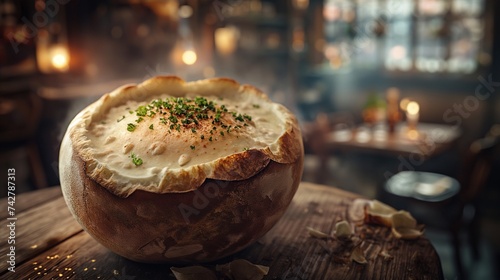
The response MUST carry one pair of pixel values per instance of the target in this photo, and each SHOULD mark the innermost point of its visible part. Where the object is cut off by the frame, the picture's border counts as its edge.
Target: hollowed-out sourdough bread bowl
(175, 171)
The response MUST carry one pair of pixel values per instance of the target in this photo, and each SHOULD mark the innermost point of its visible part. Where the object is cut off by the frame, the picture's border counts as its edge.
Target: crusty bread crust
(196, 214)
(239, 166)
(149, 227)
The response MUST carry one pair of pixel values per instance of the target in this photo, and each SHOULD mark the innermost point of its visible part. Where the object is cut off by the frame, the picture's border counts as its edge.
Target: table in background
(428, 140)
(50, 244)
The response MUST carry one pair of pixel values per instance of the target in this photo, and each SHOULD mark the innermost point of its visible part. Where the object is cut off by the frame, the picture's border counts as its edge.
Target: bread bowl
(175, 171)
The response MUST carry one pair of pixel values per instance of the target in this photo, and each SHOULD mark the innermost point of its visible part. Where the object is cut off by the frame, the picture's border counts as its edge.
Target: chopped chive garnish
(142, 111)
(136, 159)
(130, 127)
(188, 113)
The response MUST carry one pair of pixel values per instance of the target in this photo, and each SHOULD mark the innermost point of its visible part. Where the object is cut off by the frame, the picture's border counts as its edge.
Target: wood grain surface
(50, 244)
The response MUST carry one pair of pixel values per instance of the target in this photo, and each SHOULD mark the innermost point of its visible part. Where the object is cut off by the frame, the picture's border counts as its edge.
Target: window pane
(431, 48)
(399, 8)
(398, 54)
(367, 9)
(399, 28)
(432, 7)
(398, 47)
(465, 38)
(468, 7)
(339, 16)
(425, 35)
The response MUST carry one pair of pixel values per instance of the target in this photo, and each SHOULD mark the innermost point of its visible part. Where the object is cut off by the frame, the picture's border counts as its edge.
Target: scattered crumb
(384, 254)
(358, 255)
(317, 234)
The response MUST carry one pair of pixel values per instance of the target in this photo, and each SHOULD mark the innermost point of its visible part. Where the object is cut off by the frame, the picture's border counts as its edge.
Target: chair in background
(454, 206)
(325, 124)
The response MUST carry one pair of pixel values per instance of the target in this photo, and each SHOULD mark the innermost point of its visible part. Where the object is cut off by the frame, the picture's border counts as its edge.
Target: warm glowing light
(412, 116)
(189, 57)
(398, 52)
(226, 39)
(404, 103)
(300, 4)
(185, 11)
(413, 134)
(413, 108)
(331, 12)
(59, 61)
(59, 58)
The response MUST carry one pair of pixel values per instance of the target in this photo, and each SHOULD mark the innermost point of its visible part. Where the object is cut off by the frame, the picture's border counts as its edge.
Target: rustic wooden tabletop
(50, 244)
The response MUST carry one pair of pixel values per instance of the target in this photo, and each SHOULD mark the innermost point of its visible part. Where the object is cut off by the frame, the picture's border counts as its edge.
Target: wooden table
(50, 244)
(427, 141)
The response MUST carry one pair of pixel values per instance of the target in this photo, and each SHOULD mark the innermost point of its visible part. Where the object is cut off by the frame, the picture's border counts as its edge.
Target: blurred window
(406, 35)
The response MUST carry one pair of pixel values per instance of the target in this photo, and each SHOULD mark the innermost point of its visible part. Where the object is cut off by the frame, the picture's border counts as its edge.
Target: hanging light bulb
(189, 57)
